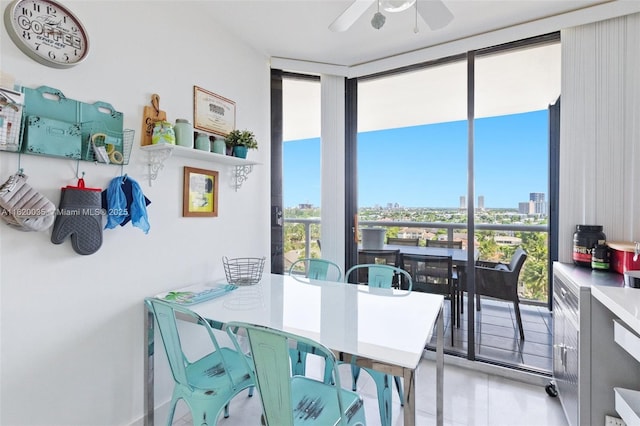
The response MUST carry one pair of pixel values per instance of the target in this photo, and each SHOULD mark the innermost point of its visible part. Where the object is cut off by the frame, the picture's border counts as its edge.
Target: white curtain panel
(600, 130)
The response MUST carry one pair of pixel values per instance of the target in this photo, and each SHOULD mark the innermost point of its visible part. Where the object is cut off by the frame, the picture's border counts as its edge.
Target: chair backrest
(381, 276)
(382, 257)
(270, 353)
(317, 269)
(165, 315)
(430, 274)
(404, 241)
(444, 243)
(499, 280)
(517, 260)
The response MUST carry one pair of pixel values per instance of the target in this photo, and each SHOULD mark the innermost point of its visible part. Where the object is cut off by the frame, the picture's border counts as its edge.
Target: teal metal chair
(288, 399)
(208, 384)
(317, 269)
(380, 276)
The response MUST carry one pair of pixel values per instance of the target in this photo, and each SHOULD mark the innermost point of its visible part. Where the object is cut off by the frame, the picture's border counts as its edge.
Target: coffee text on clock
(49, 32)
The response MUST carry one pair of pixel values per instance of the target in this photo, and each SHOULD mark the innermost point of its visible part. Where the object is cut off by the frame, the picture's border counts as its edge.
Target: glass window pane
(301, 168)
(412, 151)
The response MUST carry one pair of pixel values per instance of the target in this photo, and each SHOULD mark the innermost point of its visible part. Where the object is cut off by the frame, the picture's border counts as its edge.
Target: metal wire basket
(243, 270)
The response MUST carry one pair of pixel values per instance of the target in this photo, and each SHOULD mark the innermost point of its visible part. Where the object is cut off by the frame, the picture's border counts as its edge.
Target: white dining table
(385, 329)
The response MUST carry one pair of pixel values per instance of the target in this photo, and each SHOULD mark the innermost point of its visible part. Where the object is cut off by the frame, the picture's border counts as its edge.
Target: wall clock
(47, 32)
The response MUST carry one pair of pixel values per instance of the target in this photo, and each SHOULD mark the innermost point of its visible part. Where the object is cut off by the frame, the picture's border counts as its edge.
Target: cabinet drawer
(626, 338)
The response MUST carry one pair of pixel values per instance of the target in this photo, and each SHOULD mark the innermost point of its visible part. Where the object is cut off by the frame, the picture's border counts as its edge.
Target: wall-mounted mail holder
(57, 126)
(11, 103)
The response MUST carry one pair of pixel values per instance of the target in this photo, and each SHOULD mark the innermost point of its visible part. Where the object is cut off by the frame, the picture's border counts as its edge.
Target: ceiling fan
(434, 13)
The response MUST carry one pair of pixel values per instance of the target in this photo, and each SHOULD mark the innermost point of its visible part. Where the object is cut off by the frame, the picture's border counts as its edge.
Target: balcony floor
(497, 337)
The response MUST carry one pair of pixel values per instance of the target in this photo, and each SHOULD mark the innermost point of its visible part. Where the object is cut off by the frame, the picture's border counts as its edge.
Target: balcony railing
(537, 295)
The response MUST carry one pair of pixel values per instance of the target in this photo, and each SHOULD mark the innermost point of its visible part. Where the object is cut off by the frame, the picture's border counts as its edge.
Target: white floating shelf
(157, 154)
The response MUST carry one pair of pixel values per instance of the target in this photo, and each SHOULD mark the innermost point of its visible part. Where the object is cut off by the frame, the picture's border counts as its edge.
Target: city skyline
(426, 166)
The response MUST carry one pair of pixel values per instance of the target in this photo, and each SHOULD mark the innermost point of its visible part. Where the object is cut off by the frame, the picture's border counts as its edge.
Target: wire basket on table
(243, 270)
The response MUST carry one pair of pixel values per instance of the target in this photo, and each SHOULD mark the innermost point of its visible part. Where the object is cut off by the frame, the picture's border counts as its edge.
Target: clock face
(47, 32)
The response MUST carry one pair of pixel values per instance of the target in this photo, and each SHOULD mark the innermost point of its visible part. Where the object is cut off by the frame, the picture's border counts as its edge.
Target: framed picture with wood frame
(200, 193)
(213, 113)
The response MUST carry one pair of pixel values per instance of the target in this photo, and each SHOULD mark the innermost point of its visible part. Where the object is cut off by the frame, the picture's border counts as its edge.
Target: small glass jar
(202, 142)
(184, 132)
(163, 133)
(218, 146)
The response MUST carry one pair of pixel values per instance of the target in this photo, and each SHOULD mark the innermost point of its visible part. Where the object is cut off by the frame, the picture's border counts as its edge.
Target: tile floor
(471, 397)
(497, 337)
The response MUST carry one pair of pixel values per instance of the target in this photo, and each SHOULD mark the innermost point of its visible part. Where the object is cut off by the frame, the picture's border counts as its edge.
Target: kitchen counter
(608, 344)
(623, 302)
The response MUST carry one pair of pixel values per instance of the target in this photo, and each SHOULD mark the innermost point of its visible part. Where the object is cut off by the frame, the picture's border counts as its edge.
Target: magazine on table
(197, 293)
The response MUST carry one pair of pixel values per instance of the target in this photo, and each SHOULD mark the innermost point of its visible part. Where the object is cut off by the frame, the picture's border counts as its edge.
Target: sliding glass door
(451, 152)
(415, 143)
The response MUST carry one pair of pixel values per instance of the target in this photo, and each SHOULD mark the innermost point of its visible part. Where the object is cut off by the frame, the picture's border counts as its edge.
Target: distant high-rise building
(536, 197)
(480, 202)
(463, 202)
(539, 205)
(526, 207)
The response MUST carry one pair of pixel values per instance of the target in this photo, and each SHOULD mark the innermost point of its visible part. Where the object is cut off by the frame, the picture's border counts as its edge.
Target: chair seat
(203, 374)
(320, 408)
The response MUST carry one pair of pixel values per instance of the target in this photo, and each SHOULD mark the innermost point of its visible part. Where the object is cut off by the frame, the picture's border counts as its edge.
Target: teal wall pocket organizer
(57, 126)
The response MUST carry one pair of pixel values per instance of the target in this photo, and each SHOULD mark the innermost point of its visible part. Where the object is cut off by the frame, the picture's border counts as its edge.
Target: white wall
(71, 325)
(600, 130)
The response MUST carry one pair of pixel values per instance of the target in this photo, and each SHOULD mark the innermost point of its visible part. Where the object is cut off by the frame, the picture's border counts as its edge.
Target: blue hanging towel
(125, 201)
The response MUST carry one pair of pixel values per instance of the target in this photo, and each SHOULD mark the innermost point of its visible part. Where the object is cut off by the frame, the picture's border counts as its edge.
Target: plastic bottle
(600, 256)
(184, 132)
(585, 239)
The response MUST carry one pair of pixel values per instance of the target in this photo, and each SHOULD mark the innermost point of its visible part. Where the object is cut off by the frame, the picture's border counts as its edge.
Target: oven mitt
(24, 208)
(81, 218)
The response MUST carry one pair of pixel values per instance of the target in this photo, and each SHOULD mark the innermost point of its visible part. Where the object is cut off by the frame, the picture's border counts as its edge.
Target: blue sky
(426, 166)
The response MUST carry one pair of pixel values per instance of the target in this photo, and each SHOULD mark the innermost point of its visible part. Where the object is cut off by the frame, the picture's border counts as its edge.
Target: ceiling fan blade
(350, 15)
(434, 13)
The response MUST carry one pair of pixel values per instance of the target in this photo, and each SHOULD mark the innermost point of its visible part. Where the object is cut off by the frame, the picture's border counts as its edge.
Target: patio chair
(414, 242)
(379, 257)
(208, 384)
(432, 274)
(444, 243)
(318, 269)
(289, 399)
(380, 276)
(500, 281)
(458, 294)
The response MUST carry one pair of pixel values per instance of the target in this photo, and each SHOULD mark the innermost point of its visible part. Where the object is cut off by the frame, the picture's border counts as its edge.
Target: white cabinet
(608, 372)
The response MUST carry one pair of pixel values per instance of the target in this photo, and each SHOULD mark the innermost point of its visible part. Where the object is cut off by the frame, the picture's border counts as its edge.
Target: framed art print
(200, 193)
(213, 113)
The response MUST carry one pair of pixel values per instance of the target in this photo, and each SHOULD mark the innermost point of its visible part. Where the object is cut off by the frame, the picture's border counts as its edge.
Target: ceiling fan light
(378, 20)
(396, 5)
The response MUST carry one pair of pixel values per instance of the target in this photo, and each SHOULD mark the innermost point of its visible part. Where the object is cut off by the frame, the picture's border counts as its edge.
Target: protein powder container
(585, 239)
(600, 256)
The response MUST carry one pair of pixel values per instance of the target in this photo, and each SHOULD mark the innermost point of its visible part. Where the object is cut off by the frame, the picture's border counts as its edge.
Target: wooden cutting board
(150, 115)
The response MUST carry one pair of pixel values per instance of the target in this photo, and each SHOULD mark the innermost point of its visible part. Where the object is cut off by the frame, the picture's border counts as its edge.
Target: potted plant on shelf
(241, 141)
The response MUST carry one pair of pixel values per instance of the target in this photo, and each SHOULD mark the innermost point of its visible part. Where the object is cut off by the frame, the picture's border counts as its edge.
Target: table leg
(440, 369)
(148, 367)
(409, 411)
